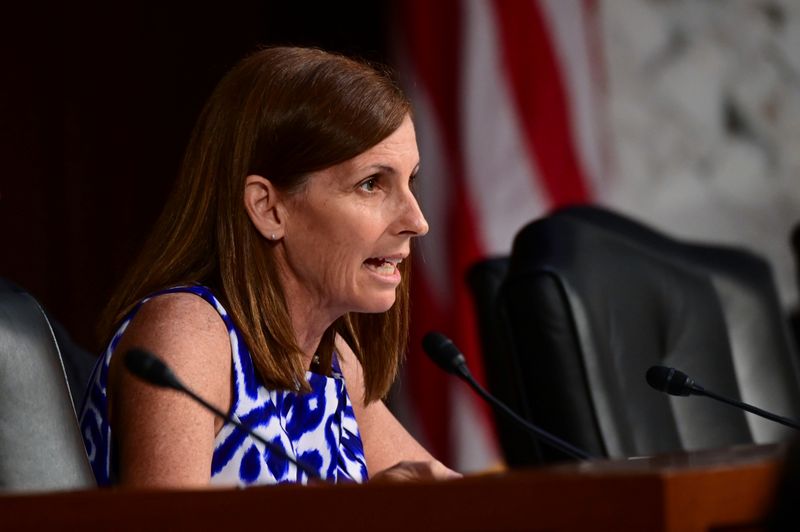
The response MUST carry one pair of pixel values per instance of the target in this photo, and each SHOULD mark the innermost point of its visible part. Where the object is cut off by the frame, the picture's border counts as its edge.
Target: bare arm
(387, 444)
(163, 437)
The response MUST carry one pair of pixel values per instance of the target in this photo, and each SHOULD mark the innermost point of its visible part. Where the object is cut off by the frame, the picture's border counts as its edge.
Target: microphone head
(445, 354)
(151, 369)
(670, 380)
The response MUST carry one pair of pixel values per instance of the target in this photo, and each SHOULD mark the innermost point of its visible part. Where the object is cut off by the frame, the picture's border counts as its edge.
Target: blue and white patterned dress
(318, 428)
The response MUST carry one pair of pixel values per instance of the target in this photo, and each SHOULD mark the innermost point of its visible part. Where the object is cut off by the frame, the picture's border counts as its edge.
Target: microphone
(671, 381)
(447, 356)
(676, 382)
(153, 370)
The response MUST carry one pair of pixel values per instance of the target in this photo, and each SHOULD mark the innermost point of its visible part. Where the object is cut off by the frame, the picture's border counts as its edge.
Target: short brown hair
(282, 113)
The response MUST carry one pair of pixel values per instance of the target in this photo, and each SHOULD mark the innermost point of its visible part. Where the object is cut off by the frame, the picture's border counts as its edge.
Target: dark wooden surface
(714, 490)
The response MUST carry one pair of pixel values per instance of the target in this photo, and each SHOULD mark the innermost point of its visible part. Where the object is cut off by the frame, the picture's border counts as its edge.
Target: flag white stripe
(569, 35)
(500, 174)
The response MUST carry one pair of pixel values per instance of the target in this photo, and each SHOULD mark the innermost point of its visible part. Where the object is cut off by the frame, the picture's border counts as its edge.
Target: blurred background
(684, 114)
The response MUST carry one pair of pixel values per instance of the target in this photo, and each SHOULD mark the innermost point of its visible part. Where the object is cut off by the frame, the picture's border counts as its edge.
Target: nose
(412, 220)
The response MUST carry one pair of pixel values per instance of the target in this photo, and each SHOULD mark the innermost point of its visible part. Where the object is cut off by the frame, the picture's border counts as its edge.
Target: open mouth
(383, 265)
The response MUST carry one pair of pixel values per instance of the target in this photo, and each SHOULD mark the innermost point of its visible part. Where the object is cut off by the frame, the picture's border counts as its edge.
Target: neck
(310, 317)
(308, 335)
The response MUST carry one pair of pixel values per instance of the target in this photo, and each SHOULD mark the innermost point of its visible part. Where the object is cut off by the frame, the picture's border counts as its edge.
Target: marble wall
(704, 120)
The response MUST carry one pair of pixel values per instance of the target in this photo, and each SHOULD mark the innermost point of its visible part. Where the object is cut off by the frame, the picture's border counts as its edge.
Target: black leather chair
(794, 318)
(503, 376)
(592, 299)
(40, 444)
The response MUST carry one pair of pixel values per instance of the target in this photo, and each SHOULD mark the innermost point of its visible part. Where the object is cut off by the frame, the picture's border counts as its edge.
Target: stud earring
(273, 236)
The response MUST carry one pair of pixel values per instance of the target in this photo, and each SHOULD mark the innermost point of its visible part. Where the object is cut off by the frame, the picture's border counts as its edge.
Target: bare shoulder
(173, 313)
(188, 334)
(163, 437)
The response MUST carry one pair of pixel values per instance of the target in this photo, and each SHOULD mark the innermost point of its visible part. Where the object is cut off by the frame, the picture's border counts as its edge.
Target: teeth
(387, 268)
(384, 265)
(384, 260)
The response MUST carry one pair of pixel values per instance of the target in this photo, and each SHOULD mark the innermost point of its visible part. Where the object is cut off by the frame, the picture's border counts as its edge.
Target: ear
(263, 206)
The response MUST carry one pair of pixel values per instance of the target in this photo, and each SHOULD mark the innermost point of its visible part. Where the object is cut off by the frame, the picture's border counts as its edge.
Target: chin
(376, 305)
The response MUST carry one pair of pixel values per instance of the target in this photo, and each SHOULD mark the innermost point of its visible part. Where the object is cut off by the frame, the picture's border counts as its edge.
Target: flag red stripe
(538, 90)
(426, 386)
(433, 39)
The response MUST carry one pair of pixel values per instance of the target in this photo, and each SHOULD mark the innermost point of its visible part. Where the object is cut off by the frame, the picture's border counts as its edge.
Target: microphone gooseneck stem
(545, 437)
(698, 390)
(152, 370)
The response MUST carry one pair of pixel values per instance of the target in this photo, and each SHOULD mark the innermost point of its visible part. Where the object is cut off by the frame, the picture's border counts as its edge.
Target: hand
(415, 471)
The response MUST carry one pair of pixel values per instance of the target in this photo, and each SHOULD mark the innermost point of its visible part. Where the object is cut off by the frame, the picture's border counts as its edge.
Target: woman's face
(350, 227)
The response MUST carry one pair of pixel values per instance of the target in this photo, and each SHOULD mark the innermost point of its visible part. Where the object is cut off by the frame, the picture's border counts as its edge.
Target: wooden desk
(721, 490)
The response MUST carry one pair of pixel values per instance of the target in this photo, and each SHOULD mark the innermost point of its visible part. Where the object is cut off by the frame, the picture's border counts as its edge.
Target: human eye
(412, 181)
(369, 185)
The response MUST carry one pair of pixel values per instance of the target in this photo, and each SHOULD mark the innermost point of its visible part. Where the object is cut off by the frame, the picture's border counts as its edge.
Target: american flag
(506, 97)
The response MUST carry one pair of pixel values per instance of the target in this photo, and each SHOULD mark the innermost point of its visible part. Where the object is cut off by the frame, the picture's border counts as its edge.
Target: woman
(275, 285)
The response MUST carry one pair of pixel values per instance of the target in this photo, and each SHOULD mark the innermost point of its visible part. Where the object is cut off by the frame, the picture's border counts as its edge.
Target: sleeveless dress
(318, 428)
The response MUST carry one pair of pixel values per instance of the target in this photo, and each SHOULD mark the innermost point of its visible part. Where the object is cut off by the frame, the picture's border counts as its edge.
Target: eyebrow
(389, 169)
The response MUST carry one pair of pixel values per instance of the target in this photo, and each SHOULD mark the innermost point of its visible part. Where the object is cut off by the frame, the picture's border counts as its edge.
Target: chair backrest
(593, 299)
(794, 318)
(40, 443)
(485, 278)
